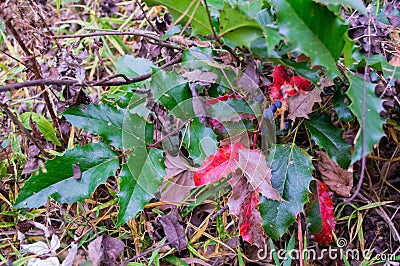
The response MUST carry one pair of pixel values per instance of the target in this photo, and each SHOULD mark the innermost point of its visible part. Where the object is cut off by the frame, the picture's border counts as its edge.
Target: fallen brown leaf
(337, 179)
(105, 249)
(179, 180)
(301, 104)
(258, 174)
(173, 229)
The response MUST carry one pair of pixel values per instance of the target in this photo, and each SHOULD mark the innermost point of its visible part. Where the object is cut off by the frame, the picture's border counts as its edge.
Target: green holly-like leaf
(305, 25)
(356, 4)
(291, 176)
(172, 90)
(329, 138)
(43, 125)
(197, 58)
(95, 161)
(238, 28)
(187, 11)
(100, 119)
(373, 120)
(144, 171)
(199, 140)
(140, 179)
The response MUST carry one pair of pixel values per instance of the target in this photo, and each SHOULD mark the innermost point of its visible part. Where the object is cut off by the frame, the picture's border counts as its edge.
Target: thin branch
(71, 82)
(105, 82)
(137, 32)
(145, 16)
(211, 24)
(134, 32)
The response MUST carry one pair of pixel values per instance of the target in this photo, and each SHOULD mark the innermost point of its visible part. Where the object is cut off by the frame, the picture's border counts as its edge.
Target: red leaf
(280, 75)
(285, 85)
(251, 216)
(328, 217)
(221, 98)
(218, 165)
(243, 203)
(302, 84)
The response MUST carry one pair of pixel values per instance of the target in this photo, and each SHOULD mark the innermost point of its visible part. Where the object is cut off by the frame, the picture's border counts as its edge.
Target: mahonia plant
(206, 121)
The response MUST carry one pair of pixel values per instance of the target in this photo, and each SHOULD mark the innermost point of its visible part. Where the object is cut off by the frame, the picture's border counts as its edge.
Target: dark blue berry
(273, 108)
(278, 104)
(268, 114)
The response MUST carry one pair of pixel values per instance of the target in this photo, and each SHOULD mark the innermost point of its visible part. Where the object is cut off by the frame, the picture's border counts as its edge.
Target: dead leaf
(179, 180)
(32, 163)
(326, 82)
(199, 105)
(301, 104)
(242, 136)
(72, 252)
(113, 249)
(95, 251)
(41, 248)
(105, 249)
(251, 69)
(247, 85)
(258, 174)
(77, 171)
(70, 65)
(170, 134)
(337, 179)
(173, 229)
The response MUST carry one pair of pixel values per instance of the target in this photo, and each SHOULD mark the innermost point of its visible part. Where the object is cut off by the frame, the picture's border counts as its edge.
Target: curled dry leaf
(41, 248)
(72, 252)
(337, 179)
(179, 180)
